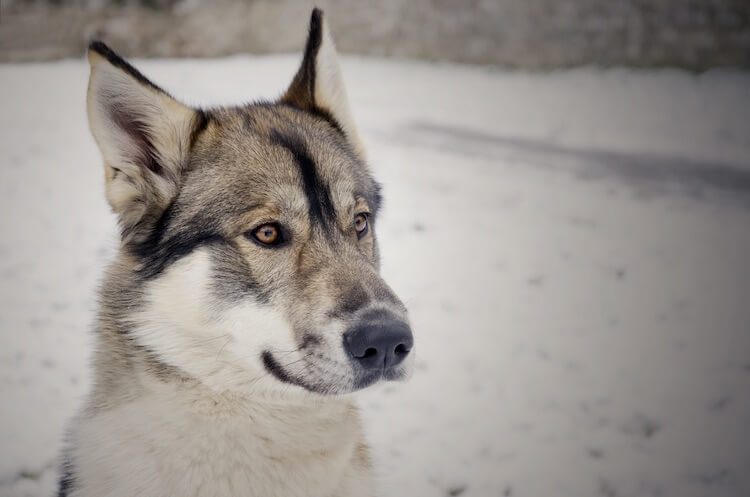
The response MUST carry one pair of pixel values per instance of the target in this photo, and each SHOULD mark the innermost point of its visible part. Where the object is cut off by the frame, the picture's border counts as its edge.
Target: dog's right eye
(268, 234)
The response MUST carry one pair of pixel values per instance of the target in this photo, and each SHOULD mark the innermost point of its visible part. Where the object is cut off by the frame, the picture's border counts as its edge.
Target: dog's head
(248, 233)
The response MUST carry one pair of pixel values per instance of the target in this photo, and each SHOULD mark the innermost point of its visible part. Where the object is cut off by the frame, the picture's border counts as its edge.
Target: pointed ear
(318, 86)
(144, 136)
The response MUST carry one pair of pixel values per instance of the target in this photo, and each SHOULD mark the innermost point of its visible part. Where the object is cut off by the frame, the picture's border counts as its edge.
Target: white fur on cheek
(254, 329)
(183, 325)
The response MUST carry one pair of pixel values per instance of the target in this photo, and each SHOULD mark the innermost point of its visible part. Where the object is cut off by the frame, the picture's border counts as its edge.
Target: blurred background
(567, 217)
(534, 34)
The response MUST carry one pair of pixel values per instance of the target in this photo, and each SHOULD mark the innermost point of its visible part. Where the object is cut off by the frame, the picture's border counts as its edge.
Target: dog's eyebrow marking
(318, 198)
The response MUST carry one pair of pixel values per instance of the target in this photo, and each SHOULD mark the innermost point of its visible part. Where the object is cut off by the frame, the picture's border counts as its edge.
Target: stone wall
(532, 34)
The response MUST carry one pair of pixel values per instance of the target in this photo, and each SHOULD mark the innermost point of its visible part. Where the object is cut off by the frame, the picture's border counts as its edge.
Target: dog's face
(250, 232)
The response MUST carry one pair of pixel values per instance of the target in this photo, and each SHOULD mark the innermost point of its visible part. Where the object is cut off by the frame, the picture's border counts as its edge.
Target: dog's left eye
(361, 224)
(268, 234)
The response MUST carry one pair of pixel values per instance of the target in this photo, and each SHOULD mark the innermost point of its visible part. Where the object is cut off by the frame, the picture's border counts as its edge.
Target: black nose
(380, 344)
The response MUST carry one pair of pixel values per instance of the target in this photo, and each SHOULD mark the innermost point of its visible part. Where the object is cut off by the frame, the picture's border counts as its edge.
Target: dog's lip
(365, 378)
(278, 372)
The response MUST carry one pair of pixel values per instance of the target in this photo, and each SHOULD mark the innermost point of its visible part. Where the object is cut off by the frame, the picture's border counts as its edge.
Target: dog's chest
(157, 447)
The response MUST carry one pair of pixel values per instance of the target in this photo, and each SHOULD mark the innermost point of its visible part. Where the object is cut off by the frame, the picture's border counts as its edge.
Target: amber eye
(267, 234)
(360, 224)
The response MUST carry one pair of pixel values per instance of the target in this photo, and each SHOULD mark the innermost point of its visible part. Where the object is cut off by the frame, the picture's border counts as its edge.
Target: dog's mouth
(277, 370)
(332, 383)
(378, 346)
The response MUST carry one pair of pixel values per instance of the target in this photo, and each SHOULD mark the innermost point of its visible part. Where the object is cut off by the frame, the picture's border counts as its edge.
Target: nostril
(401, 349)
(378, 345)
(370, 352)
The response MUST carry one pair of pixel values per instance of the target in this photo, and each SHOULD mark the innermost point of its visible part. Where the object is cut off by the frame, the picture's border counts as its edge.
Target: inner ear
(136, 130)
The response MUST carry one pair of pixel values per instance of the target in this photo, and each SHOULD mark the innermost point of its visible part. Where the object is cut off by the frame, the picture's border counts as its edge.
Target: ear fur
(144, 136)
(318, 86)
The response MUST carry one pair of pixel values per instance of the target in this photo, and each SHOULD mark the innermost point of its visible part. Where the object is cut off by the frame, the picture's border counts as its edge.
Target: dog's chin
(357, 379)
(365, 379)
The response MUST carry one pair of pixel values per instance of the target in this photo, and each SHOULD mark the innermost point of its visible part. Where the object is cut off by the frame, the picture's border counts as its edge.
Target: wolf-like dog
(244, 304)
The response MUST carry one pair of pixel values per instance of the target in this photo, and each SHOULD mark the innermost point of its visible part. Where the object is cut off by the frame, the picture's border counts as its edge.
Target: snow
(573, 247)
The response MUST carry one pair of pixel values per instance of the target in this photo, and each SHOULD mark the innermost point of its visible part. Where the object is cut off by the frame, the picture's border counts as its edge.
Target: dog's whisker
(280, 351)
(209, 339)
(229, 339)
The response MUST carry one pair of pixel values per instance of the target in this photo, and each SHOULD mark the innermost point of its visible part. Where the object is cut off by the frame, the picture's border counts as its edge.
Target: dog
(244, 305)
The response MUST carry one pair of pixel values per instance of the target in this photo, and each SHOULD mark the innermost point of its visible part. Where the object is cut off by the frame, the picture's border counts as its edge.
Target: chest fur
(164, 446)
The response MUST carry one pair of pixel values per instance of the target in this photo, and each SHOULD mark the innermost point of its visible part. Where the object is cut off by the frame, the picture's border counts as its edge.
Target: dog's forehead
(271, 154)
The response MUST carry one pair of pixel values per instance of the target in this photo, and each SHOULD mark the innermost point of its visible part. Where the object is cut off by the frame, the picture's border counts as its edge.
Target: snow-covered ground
(574, 248)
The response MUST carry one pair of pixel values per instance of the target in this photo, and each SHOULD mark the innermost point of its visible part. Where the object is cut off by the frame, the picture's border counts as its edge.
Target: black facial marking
(117, 61)
(174, 249)
(278, 372)
(275, 369)
(319, 200)
(157, 251)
